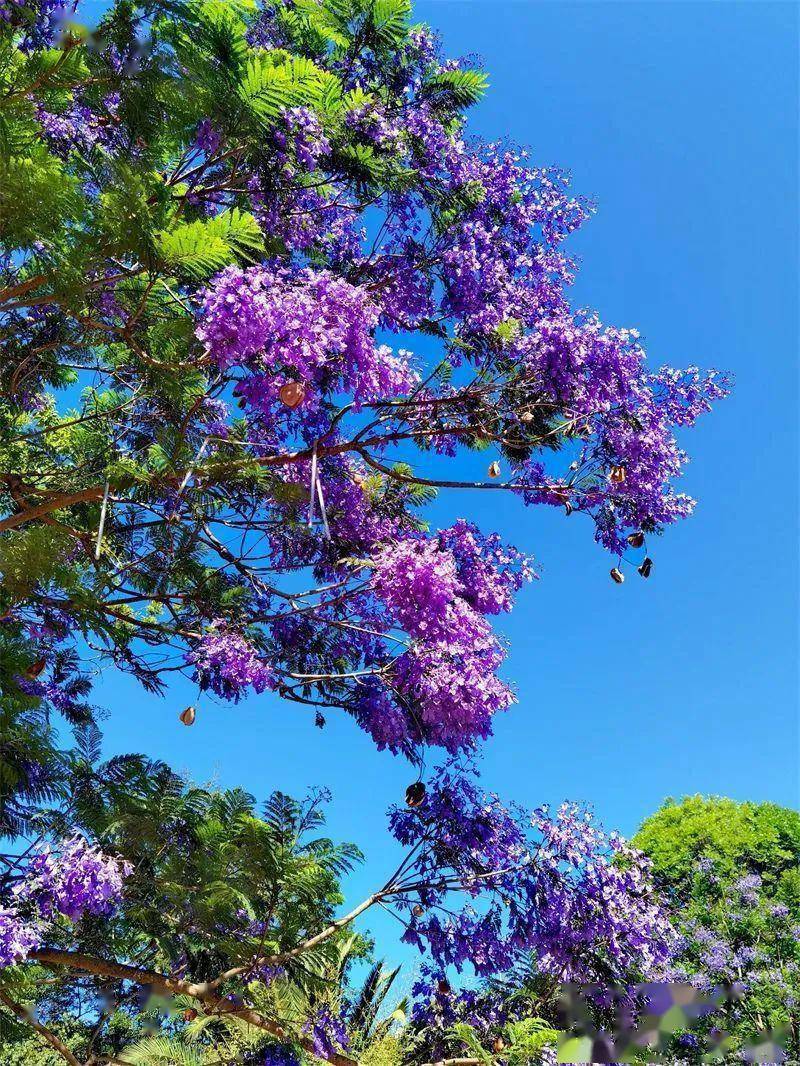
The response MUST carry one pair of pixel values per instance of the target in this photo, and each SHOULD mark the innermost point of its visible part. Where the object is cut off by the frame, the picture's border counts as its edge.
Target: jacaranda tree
(259, 291)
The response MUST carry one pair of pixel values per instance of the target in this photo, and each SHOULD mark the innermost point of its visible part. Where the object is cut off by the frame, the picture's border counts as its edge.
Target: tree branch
(25, 1016)
(214, 1003)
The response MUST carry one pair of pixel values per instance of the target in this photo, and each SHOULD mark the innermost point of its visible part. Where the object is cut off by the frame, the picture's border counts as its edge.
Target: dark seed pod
(35, 669)
(646, 567)
(188, 716)
(617, 474)
(415, 794)
(443, 987)
(494, 469)
(417, 910)
(292, 394)
(189, 1014)
(568, 508)
(617, 575)
(636, 540)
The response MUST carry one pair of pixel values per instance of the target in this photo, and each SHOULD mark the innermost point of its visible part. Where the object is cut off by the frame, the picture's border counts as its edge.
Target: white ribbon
(102, 525)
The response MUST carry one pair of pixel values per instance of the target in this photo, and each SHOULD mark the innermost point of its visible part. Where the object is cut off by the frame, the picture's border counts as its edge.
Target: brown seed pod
(417, 910)
(617, 575)
(636, 540)
(188, 716)
(494, 469)
(415, 794)
(617, 474)
(280, 1032)
(498, 1044)
(292, 394)
(189, 1014)
(526, 416)
(443, 987)
(35, 669)
(646, 567)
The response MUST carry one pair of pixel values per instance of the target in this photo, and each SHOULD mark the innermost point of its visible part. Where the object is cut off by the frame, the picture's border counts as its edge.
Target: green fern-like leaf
(163, 1051)
(269, 87)
(201, 248)
(389, 21)
(461, 88)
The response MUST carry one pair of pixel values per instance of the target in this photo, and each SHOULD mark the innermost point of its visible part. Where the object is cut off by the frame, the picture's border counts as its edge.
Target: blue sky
(679, 119)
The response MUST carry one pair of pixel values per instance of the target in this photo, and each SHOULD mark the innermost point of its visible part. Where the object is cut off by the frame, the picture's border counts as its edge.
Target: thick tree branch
(212, 1001)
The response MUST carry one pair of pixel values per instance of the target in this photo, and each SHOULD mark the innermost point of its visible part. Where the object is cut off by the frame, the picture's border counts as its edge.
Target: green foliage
(527, 1039)
(205, 246)
(37, 196)
(165, 1051)
(731, 875)
(739, 837)
(457, 88)
(270, 84)
(385, 1052)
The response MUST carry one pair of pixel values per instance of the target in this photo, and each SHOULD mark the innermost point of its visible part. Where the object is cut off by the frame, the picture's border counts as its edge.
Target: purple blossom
(74, 880)
(327, 1031)
(556, 887)
(18, 936)
(227, 663)
(207, 138)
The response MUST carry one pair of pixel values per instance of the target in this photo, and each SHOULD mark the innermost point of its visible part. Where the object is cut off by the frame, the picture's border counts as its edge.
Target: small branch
(306, 945)
(27, 1017)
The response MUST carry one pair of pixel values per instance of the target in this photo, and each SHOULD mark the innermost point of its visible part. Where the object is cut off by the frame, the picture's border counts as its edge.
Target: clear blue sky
(680, 120)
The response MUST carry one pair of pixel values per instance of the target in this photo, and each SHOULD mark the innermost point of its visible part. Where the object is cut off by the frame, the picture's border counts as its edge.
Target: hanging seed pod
(617, 474)
(617, 575)
(415, 794)
(646, 567)
(568, 508)
(498, 1045)
(35, 669)
(494, 469)
(280, 1032)
(188, 716)
(189, 1014)
(636, 540)
(526, 417)
(292, 394)
(443, 987)
(417, 910)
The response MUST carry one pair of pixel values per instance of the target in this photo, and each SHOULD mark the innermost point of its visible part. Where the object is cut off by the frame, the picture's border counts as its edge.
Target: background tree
(730, 873)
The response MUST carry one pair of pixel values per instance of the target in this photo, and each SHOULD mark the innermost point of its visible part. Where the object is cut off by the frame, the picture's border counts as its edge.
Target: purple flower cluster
(328, 1032)
(280, 325)
(228, 664)
(72, 880)
(438, 590)
(280, 1055)
(207, 139)
(580, 901)
(18, 936)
